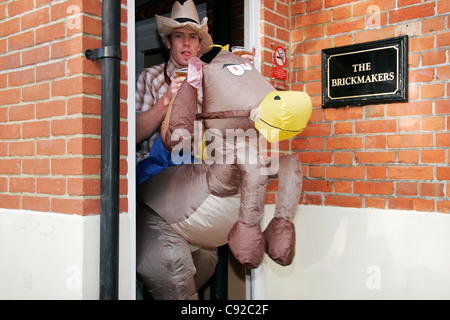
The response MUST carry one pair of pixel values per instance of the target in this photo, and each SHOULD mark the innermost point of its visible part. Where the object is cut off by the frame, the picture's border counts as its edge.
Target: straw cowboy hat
(185, 16)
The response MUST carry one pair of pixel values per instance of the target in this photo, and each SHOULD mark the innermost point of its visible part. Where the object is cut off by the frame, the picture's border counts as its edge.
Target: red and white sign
(279, 73)
(280, 57)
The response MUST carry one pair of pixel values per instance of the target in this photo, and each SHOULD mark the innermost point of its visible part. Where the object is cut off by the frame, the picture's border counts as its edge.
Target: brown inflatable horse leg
(245, 239)
(280, 233)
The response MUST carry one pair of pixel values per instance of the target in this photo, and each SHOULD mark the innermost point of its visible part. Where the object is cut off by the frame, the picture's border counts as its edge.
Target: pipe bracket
(103, 52)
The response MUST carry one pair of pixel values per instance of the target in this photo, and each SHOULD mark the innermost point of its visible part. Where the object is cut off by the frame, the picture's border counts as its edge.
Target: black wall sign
(365, 73)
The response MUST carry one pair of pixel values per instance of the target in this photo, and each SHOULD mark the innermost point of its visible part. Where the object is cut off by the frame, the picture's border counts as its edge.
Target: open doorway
(226, 23)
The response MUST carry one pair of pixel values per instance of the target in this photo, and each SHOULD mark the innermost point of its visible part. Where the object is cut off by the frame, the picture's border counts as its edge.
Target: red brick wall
(391, 156)
(276, 28)
(388, 156)
(50, 106)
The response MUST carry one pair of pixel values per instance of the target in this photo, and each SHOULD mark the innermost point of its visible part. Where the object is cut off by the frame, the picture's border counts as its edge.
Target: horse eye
(236, 69)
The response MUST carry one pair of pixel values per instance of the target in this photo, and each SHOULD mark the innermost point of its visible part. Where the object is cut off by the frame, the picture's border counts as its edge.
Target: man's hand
(173, 89)
(250, 57)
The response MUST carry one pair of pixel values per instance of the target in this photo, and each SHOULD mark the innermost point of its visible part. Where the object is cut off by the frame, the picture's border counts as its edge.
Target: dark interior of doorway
(226, 26)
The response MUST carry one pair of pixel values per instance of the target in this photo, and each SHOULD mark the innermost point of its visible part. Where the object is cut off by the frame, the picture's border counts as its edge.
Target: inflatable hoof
(246, 242)
(280, 241)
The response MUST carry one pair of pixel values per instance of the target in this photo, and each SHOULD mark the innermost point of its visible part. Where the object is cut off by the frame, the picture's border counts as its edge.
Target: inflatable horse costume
(221, 198)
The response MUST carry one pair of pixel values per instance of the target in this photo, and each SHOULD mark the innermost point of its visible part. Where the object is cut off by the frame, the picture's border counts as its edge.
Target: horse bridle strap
(222, 114)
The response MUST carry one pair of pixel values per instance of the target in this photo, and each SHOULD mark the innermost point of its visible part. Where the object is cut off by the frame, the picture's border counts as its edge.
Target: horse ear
(178, 125)
(195, 72)
(182, 108)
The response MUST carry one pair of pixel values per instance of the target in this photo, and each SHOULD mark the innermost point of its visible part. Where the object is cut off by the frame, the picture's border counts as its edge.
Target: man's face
(183, 44)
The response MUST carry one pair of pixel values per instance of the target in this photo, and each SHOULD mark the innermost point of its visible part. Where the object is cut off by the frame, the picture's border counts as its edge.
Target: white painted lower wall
(345, 253)
(56, 256)
(341, 253)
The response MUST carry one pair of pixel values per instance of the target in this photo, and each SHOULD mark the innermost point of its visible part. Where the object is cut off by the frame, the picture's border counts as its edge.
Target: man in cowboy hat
(185, 37)
(167, 264)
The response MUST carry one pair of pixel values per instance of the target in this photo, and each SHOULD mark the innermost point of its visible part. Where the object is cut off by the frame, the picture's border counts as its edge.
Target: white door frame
(252, 28)
(131, 136)
(252, 18)
(252, 38)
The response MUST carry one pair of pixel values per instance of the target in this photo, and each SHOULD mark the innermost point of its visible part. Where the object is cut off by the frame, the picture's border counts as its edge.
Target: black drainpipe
(110, 54)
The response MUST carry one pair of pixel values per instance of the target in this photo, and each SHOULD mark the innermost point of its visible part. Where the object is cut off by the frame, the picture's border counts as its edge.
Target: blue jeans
(158, 160)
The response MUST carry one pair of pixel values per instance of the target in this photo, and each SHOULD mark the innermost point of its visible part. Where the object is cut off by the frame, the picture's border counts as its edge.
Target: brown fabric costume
(220, 199)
